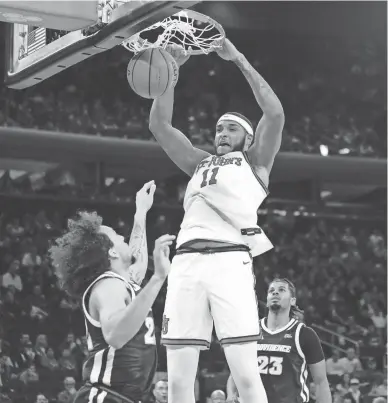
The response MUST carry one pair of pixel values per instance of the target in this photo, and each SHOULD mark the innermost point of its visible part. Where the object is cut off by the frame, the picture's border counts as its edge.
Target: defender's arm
(268, 134)
(138, 247)
(176, 145)
(121, 318)
(138, 240)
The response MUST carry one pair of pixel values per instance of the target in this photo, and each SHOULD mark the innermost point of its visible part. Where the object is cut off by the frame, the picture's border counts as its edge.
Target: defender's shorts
(89, 393)
(203, 288)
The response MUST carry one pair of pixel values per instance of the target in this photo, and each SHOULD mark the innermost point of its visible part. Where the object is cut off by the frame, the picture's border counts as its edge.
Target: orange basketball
(151, 72)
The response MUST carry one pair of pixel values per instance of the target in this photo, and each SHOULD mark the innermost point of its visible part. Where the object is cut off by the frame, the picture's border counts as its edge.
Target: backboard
(36, 52)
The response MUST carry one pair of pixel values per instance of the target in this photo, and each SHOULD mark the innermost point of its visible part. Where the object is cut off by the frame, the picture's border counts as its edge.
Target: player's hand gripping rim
(162, 256)
(180, 55)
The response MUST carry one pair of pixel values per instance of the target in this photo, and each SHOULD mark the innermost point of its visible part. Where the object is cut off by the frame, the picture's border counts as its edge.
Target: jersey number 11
(213, 177)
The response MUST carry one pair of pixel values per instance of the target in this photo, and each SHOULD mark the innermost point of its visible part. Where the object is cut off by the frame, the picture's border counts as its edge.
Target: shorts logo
(165, 324)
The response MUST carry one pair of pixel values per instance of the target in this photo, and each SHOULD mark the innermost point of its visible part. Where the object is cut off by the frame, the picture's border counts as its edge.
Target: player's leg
(243, 366)
(187, 325)
(182, 365)
(235, 313)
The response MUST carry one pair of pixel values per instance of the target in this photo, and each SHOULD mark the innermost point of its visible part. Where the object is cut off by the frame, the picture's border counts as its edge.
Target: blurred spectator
(343, 387)
(161, 391)
(354, 391)
(41, 345)
(351, 363)
(11, 278)
(67, 395)
(379, 387)
(41, 399)
(37, 303)
(71, 344)
(26, 356)
(49, 361)
(379, 400)
(334, 366)
(218, 396)
(67, 363)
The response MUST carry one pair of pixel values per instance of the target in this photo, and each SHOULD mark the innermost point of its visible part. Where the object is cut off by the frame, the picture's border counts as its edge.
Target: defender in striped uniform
(129, 369)
(287, 350)
(97, 266)
(212, 269)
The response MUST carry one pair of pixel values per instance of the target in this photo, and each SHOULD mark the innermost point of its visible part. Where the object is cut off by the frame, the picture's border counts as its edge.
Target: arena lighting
(344, 151)
(324, 150)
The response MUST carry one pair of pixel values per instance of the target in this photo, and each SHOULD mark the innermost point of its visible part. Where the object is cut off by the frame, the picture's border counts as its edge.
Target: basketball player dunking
(211, 277)
(98, 267)
(287, 348)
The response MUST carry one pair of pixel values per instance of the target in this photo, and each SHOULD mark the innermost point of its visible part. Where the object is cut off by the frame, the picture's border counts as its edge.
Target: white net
(194, 32)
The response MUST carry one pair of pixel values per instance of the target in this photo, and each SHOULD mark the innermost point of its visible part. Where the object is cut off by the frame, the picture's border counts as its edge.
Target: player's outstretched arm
(138, 240)
(176, 145)
(268, 134)
(120, 317)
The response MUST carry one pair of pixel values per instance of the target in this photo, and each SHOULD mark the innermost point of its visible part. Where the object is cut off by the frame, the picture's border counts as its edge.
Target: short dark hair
(81, 254)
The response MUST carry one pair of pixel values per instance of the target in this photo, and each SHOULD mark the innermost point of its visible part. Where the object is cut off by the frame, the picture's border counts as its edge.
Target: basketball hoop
(196, 33)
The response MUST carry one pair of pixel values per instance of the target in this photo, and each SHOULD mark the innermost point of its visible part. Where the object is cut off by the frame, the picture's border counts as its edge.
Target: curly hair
(81, 254)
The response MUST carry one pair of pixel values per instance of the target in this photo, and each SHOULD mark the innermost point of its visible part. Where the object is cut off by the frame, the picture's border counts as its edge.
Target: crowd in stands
(339, 270)
(333, 91)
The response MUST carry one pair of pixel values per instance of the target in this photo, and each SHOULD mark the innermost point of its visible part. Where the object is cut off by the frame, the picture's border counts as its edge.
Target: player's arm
(138, 239)
(312, 350)
(121, 317)
(268, 134)
(175, 144)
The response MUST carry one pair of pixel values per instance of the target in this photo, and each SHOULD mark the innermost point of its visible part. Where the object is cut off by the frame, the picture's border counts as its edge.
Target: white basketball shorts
(203, 288)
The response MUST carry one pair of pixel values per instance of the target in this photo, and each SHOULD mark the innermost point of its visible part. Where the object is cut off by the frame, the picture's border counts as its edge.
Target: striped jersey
(221, 203)
(128, 370)
(282, 363)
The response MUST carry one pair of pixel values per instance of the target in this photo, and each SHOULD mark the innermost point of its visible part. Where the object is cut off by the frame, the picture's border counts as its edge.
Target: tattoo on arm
(264, 94)
(138, 247)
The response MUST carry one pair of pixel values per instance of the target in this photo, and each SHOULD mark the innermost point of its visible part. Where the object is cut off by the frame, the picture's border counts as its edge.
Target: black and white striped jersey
(128, 370)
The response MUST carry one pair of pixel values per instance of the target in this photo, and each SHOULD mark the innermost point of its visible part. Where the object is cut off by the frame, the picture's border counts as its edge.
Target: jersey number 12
(213, 177)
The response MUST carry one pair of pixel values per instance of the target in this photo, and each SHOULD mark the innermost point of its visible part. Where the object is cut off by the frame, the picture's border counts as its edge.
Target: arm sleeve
(311, 345)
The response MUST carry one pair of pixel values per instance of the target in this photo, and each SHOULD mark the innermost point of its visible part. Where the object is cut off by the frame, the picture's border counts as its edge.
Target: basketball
(151, 72)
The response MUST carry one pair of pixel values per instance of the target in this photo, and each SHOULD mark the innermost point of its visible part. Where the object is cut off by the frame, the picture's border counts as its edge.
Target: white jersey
(221, 203)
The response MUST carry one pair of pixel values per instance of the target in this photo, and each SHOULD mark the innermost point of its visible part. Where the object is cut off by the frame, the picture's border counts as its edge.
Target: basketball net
(196, 33)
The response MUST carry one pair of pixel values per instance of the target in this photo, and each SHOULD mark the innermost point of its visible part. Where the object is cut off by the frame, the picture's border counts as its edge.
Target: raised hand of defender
(162, 255)
(228, 51)
(178, 53)
(145, 197)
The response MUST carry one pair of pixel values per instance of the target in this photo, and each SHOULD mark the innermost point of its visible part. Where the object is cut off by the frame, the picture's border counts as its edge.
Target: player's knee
(178, 382)
(182, 367)
(246, 382)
